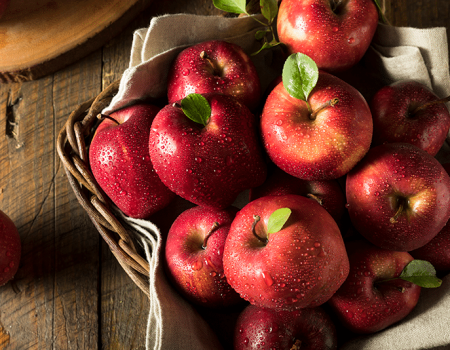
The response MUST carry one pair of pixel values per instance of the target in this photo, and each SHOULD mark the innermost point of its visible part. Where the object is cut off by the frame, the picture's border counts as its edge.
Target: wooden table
(70, 292)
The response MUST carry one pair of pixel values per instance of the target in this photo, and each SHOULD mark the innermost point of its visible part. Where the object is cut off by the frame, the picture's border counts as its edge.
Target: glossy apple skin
(209, 165)
(437, 251)
(388, 175)
(337, 40)
(10, 249)
(232, 73)
(394, 119)
(197, 272)
(322, 149)
(300, 266)
(120, 162)
(328, 193)
(364, 304)
(265, 329)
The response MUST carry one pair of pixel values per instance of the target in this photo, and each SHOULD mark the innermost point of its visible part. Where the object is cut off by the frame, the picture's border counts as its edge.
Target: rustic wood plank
(28, 196)
(77, 243)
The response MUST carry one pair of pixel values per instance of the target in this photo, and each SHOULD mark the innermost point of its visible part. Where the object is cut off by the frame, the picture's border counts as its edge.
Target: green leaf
(231, 6)
(196, 108)
(277, 219)
(422, 273)
(300, 75)
(260, 34)
(269, 9)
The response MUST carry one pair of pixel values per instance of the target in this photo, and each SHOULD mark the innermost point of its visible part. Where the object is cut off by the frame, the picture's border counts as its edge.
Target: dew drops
(197, 265)
(351, 40)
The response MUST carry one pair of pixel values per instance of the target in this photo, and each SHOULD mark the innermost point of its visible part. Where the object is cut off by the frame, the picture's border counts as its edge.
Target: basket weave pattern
(72, 150)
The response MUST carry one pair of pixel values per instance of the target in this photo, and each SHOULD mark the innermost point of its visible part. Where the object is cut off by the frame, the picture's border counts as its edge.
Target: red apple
(408, 111)
(398, 196)
(214, 66)
(306, 329)
(373, 297)
(10, 249)
(321, 138)
(120, 162)
(300, 264)
(3, 6)
(335, 34)
(328, 193)
(194, 256)
(437, 251)
(208, 163)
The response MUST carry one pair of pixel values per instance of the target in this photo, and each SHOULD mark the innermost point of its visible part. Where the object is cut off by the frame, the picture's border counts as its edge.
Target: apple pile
(305, 207)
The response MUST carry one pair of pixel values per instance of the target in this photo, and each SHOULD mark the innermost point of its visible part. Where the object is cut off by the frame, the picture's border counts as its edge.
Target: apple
(3, 6)
(10, 249)
(328, 193)
(214, 66)
(316, 136)
(373, 297)
(120, 162)
(263, 328)
(335, 34)
(437, 251)
(194, 256)
(210, 160)
(408, 111)
(285, 252)
(398, 196)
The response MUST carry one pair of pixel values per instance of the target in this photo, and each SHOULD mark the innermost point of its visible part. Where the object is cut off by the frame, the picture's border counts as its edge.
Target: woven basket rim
(72, 150)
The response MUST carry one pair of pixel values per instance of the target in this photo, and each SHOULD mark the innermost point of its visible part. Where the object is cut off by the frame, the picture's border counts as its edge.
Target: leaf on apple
(196, 108)
(277, 219)
(422, 273)
(300, 75)
(231, 6)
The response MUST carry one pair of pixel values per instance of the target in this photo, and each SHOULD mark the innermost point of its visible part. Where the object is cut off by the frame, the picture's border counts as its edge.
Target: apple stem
(400, 209)
(297, 345)
(216, 70)
(257, 218)
(316, 198)
(425, 105)
(330, 103)
(104, 116)
(213, 228)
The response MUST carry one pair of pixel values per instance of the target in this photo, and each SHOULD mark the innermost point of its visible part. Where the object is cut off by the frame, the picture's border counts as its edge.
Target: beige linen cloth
(396, 53)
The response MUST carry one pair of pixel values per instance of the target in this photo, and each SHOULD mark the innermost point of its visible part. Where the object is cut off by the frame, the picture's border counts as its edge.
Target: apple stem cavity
(431, 103)
(257, 218)
(215, 69)
(330, 103)
(104, 116)
(213, 228)
(402, 203)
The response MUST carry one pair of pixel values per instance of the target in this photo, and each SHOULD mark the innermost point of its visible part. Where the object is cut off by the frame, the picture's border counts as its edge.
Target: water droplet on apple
(335, 29)
(197, 265)
(185, 71)
(198, 159)
(267, 278)
(351, 40)
(279, 122)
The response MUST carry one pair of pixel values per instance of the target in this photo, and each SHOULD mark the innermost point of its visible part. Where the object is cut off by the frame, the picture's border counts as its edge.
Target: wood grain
(40, 37)
(70, 292)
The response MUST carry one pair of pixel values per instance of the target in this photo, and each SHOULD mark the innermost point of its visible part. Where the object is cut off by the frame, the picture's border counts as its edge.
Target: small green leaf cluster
(269, 10)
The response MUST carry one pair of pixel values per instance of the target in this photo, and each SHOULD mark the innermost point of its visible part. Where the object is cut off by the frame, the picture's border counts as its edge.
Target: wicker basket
(71, 147)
